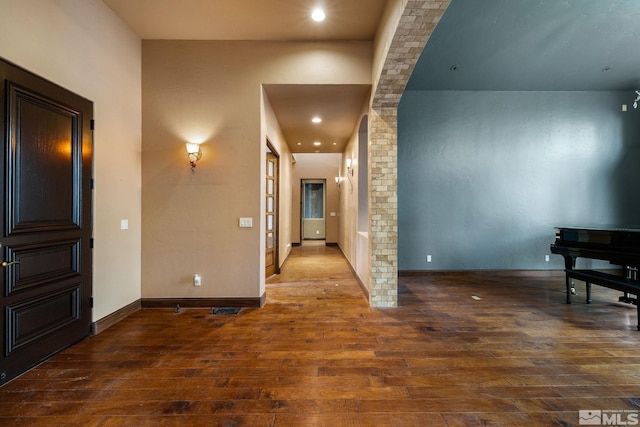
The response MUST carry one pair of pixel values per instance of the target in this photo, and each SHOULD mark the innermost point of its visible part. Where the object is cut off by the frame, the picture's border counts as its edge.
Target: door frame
(322, 181)
(276, 221)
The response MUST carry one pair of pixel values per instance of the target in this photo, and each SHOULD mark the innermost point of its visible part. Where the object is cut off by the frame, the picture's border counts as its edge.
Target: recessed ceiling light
(335, 143)
(318, 15)
(316, 119)
(299, 143)
(317, 143)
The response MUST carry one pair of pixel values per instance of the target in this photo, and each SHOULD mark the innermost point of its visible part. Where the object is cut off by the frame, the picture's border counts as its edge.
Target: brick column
(416, 24)
(383, 208)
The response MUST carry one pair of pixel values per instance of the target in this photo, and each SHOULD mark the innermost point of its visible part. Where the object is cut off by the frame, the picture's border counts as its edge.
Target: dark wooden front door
(46, 219)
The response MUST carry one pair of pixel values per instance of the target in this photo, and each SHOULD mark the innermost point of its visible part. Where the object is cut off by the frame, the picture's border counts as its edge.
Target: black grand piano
(618, 245)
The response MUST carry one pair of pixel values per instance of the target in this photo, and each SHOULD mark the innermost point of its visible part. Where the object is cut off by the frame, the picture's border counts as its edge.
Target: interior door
(271, 241)
(46, 219)
(313, 212)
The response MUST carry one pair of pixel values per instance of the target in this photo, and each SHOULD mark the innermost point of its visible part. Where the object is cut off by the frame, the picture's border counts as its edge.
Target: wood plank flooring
(486, 349)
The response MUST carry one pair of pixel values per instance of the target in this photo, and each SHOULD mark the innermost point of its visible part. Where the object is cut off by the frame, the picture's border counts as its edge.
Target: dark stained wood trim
(331, 244)
(365, 291)
(113, 318)
(286, 258)
(469, 273)
(203, 302)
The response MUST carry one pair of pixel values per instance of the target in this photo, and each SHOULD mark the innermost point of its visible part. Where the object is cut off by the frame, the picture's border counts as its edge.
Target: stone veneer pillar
(416, 24)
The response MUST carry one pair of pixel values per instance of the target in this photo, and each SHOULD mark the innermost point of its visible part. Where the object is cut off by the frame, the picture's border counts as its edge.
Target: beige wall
(317, 166)
(193, 90)
(84, 47)
(349, 200)
(213, 89)
(354, 245)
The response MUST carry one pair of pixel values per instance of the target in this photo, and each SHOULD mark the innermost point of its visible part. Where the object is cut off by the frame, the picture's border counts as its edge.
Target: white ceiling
(339, 106)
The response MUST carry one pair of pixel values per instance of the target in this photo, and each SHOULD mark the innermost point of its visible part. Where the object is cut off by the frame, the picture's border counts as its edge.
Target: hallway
(462, 350)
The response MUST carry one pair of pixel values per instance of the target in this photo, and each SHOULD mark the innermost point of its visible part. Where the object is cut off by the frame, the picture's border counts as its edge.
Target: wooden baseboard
(283, 263)
(113, 318)
(502, 273)
(203, 302)
(365, 291)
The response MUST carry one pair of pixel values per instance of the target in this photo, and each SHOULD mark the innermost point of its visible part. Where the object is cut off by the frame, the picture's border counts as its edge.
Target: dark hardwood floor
(462, 350)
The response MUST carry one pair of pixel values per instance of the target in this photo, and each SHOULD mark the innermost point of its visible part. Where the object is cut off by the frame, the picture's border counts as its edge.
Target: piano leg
(569, 264)
(588, 292)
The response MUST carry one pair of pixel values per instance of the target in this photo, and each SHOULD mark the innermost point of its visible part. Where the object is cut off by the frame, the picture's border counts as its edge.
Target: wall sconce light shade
(195, 154)
(349, 170)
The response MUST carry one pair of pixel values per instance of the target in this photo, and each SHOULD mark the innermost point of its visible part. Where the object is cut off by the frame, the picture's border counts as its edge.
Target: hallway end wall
(316, 166)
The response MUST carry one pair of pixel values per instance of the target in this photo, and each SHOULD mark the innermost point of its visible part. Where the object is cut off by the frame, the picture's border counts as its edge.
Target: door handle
(7, 264)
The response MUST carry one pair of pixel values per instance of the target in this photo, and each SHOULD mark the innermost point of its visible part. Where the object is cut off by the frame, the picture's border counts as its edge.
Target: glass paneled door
(271, 215)
(313, 209)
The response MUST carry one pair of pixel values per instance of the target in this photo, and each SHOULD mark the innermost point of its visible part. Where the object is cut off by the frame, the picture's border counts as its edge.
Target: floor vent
(226, 310)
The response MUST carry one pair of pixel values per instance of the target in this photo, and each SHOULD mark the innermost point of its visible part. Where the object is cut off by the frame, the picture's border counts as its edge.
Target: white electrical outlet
(546, 258)
(197, 280)
(428, 258)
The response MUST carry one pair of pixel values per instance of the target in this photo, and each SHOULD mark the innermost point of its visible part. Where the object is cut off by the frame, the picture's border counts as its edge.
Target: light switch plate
(246, 222)
(124, 224)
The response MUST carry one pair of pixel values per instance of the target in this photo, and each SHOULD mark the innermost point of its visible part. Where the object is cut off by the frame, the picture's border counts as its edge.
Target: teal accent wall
(484, 177)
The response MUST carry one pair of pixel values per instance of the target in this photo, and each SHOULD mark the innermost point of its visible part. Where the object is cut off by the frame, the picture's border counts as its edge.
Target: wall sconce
(349, 170)
(195, 154)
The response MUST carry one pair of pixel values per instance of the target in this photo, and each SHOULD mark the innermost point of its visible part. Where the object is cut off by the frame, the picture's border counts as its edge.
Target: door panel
(46, 212)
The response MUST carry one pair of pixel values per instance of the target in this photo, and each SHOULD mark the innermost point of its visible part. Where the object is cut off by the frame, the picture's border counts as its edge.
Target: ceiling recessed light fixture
(317, 143)
(316, 119)
(299, 143)
(318, 15)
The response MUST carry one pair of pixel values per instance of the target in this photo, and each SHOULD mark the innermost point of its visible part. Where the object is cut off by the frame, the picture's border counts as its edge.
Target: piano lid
(610, 228)
(624, 236)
